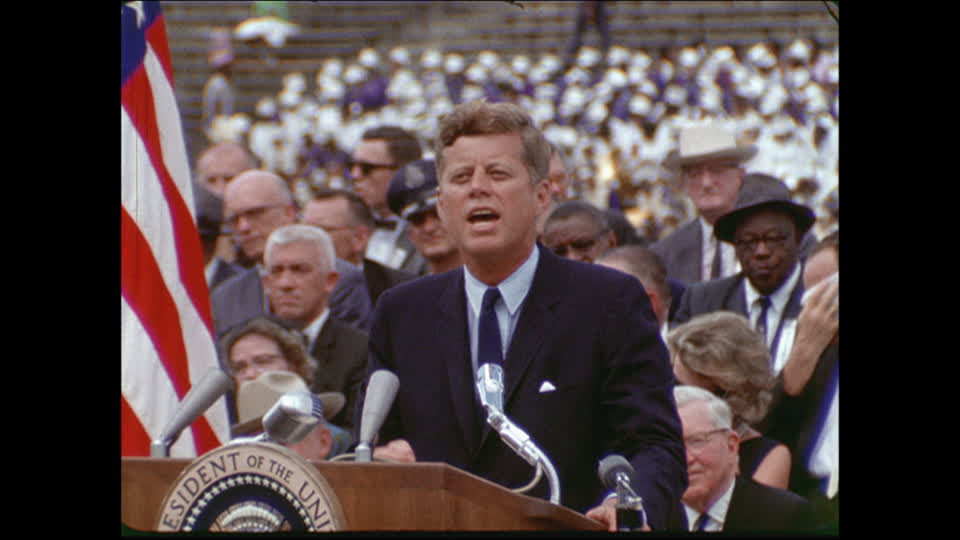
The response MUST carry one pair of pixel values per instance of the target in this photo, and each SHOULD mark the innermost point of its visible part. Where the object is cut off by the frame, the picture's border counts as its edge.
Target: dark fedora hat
(759, 192)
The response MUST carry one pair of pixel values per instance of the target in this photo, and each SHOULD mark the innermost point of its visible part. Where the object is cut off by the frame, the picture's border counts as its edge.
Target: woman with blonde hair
(722, 353)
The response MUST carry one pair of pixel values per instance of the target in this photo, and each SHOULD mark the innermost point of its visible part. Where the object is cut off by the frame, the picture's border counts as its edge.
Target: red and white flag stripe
(167, 339)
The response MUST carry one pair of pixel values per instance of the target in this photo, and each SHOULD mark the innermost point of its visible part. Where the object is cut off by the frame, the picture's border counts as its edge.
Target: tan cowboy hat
(256, 397)
(707, 141)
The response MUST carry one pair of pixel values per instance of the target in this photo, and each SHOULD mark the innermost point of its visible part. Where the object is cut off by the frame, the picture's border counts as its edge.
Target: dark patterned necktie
(717, 267)
(764, 302)
(701, 523)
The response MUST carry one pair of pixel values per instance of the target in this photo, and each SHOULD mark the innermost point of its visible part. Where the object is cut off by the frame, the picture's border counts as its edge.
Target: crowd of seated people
(613, 117)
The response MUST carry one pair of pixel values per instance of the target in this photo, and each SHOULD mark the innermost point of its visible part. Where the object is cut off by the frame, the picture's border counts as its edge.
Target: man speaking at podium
(585, 371)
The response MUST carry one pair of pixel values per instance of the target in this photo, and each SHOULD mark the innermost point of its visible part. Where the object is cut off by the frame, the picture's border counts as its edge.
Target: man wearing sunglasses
(381, 153)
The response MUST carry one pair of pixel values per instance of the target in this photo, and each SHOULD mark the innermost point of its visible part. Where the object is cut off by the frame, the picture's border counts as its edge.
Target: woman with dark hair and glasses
(722, 353)
(263, 344)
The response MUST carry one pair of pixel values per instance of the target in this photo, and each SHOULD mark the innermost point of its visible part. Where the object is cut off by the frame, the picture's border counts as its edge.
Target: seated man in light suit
(719, 499)
(765, 229)
(585, 371)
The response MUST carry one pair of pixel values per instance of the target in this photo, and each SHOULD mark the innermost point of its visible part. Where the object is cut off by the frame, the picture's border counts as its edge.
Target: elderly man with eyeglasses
(255, 204)
(764, 229)
(717, 497)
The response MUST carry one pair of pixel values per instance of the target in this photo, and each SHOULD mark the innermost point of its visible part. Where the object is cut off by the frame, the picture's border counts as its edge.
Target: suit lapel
(736, 299)
(536, 317)
(453, 349)
(692, 252)
(324, 343)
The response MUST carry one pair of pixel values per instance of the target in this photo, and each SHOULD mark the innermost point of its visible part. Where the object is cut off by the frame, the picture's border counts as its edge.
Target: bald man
(220, 163)
(255, 204)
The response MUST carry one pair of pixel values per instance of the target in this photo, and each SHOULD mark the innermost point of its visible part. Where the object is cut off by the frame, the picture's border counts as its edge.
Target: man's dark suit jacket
(728, 294)
(241, 297)
(590, 332)
(341, 354)
(682, 252)
(381, 277)
(758, 508)
(798, 421)
(225, 270)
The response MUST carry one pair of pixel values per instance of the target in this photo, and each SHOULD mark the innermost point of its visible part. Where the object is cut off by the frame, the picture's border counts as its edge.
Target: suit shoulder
(347, 331)
(679, 236)
(420, 287)
(240, 280)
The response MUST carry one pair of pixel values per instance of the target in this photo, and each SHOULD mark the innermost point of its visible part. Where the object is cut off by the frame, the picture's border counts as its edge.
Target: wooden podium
(377, 497)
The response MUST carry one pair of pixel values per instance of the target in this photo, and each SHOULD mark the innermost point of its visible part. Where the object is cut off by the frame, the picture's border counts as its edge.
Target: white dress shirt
(382, 246)
(728, 256)
(717, 511)
(778, 303)
(513, 291)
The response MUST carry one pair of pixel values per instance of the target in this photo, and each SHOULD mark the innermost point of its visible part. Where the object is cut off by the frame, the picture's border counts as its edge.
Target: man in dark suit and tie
(349, 222)
(709, 165)
(300, 277)
(585, 372)
(382, 151)
(255, 204)
(764, 229)
(209, 207)
(719, 499)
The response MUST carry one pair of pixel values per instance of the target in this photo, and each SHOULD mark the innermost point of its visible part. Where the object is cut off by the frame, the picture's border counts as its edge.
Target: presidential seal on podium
(251, 487)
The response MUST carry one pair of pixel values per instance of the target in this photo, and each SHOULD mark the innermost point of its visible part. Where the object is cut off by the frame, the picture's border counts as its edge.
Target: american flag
(166, 329)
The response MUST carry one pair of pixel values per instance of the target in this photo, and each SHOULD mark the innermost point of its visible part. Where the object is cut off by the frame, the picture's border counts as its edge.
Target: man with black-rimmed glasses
(255, 204)
(765, 228)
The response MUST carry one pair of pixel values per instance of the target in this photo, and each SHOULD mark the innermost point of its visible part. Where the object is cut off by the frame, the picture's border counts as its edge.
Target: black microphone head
(610, 467)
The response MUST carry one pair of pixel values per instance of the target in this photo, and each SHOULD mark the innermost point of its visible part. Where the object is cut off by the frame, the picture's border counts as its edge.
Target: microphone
(198, 399)
(292, 417)
(381, 391)
(614, 472)
(490, 387)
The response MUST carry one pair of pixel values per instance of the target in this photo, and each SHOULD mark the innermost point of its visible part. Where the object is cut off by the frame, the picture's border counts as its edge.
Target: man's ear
(326, 442)
(331, 281)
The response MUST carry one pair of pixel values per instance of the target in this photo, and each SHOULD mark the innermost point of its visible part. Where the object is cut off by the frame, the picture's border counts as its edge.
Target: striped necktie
(701, 523)
(764, 302)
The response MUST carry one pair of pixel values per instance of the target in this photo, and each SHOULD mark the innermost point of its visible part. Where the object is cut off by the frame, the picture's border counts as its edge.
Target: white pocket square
(547, 386)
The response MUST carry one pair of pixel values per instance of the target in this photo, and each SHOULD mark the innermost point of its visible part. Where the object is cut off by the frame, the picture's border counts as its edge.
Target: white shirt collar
(210, 269)
(717, 511)
(513, 289)
(710, 244)
(780, 297)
